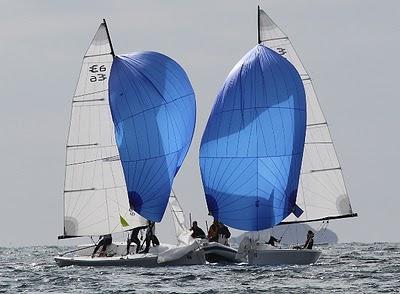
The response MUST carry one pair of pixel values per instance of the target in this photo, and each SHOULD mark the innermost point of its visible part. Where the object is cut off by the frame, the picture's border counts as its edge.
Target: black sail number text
(281, 51)
(98, 73)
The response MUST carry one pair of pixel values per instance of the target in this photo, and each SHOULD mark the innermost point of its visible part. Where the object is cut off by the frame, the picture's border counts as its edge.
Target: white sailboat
(322, 193)
(95, 193)
(240, 150)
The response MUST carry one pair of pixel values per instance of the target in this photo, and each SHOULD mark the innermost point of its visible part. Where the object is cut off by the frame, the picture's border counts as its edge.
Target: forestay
(95, 196)
(251, 150)
(153, 108)
(321, 193)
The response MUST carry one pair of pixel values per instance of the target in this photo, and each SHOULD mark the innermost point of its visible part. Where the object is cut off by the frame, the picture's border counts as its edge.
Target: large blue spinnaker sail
(252, 148)
(153, 108)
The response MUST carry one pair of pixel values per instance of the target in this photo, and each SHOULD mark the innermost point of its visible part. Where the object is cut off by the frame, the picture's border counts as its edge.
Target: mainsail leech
(322, 193)
(95, 196)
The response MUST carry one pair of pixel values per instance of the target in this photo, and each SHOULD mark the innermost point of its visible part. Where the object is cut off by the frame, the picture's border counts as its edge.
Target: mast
(108, 37)
(258, 25)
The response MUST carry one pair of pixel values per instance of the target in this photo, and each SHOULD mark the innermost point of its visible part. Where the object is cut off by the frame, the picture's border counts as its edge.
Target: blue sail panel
(252, 147)
(154, 111)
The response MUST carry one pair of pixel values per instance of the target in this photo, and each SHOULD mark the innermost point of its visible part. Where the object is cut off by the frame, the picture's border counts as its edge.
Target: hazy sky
(350, 48)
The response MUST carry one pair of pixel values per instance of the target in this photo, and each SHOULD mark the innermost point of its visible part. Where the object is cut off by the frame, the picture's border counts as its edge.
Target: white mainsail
(95, 196)
(321, 193)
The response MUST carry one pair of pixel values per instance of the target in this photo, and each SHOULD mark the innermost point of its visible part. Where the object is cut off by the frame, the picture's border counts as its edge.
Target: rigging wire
(284, 232)
(322, 231)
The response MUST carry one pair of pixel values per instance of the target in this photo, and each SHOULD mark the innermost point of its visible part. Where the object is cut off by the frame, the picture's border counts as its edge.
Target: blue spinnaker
(252, 148)
(154, 111)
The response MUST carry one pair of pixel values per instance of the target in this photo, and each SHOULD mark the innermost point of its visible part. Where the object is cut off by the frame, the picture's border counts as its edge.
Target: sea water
(342, 268)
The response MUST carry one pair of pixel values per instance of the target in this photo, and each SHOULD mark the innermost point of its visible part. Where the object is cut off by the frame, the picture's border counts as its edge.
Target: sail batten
(89, 100)
(95, 196)
(96, 55)
(79, 190)
(322, 190)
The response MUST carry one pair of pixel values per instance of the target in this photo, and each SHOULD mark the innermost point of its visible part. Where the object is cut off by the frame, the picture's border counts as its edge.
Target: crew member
(105, 241)
(213, 232)
(134, 238)
(272, 241)
(150, 237)
(223, 234)
(197, 231)
(310, 240)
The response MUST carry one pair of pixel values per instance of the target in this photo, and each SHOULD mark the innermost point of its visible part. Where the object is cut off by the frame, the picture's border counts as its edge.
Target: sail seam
(273, 39)
(89, 100)
(95, 55)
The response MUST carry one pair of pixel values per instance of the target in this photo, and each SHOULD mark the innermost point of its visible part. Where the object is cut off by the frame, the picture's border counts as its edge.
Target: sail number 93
(98, 74)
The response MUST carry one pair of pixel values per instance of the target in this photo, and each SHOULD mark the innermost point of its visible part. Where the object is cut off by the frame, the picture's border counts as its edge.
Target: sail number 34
(98, 73)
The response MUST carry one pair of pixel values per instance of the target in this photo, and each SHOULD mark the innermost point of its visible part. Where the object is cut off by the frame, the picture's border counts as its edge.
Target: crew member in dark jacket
(310, 240)
(150, 237)
(272, 241)
(224, 233)
(197, 231)
(134, 238)
(213, 232)
(105, 241)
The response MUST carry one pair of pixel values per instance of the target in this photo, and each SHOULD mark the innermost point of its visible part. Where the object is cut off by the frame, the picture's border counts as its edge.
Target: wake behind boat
(131, 125)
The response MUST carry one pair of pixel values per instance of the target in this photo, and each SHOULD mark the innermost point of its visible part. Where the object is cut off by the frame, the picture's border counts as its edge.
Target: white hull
(136, 260)
(163, 255)
(216, 252)
(283, 256)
